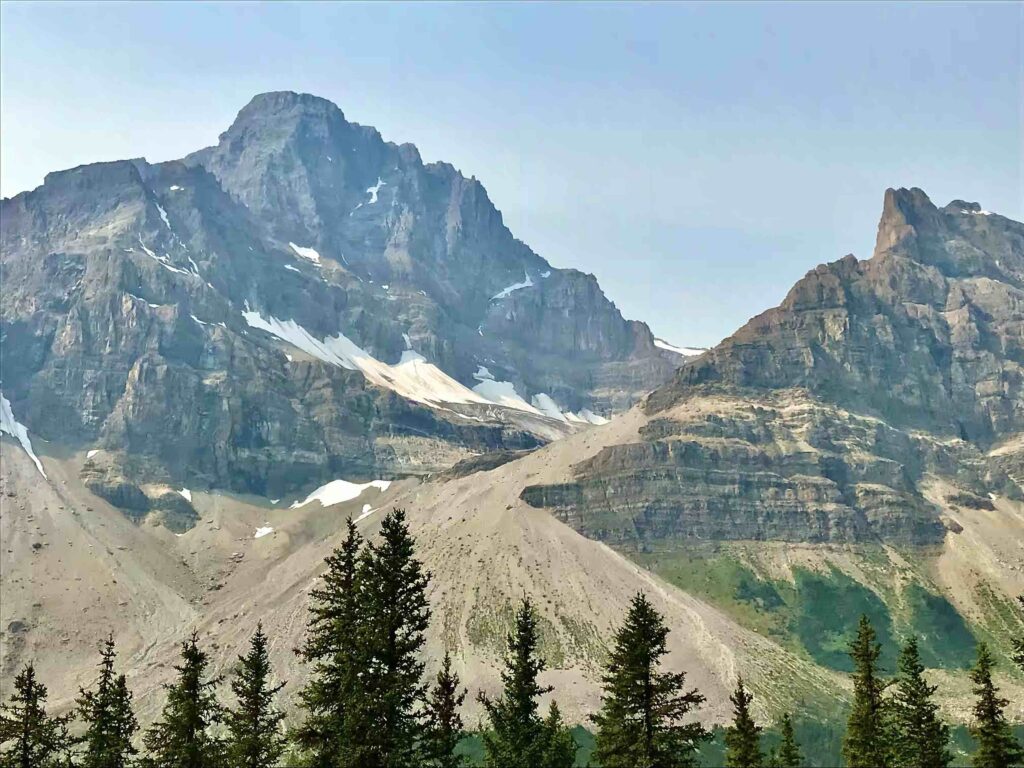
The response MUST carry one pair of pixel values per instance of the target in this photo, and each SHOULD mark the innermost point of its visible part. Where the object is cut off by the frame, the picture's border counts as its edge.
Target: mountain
(855, 450)
(829, 417)
(301, 302)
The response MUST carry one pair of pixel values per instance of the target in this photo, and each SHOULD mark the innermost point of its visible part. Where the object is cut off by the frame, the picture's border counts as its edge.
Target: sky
(698, 158)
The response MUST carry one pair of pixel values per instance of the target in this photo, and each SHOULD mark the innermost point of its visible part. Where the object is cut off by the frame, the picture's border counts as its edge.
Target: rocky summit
(301, 302)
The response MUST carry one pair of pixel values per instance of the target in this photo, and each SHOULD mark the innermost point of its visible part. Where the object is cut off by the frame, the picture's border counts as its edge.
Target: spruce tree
(183, 737)
(395, 617)
(559, 746)
(332, 696)
(444, 723)
(920, 738)
(255, 738)
(109, 720)
(515, 737)
(996, 746)
(639, 724)
(29, 738)
(788, 754)
(866, 744)
(743, 737)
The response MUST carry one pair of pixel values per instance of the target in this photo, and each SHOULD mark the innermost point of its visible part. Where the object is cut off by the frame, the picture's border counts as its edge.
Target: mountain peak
(272, 102)
(904, 212)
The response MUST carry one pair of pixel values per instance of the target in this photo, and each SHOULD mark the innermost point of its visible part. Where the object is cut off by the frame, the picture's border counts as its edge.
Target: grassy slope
(814, 611)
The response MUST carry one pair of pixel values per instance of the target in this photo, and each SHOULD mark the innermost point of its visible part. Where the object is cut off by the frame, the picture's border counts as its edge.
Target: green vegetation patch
(943, 636)
(817, 614)
(826, 611)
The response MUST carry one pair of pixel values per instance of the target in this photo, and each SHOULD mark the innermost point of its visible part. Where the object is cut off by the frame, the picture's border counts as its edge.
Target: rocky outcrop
(147, 309)
(925, 334)
(823, 419)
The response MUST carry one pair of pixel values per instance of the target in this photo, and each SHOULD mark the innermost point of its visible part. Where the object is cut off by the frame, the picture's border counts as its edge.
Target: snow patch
(163, 215)
(175, 188)
(337, 491)
(592, 417)
(977, 213)
(293, 268)
(163, 261)
(411, 356)
(503, 393)
(186, 494)
(372, 191)
(92, 453)
(546, 274)
(306, 253)
(413, 378)
(504, 292)
(263, 531)
(482, 372)
(684, 351)
(17, 430)
(543, 402)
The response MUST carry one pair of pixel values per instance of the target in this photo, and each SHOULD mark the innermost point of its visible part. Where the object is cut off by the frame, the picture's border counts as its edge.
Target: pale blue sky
(697, 158)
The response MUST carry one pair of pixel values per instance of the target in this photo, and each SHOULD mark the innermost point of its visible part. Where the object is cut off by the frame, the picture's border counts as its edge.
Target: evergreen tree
(639, 725)
(866, 744)
(920, 738)
(559, 746)
(788, 755)
(29, 738)
(997, 748)
(183, 736)
(444, 724)
(255, 738)
(332, 696)
(743, 737)
(109, 720)
(516, 736)
(395, 617)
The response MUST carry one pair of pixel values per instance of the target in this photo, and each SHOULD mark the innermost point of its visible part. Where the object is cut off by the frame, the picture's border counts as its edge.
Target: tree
(107, 713)
(866, 744)
(788, 754)
(332, 696)
(183, 736)
(559, 745)
(997, 748)
(444, 724)
(920, 739)
(743, 737)
(517, 737)
(255, 738)
(639, 724)
(395, 617)
(29, 738)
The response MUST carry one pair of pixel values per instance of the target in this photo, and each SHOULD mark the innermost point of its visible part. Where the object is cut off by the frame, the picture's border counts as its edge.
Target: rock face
(821, 419)
(301, 302)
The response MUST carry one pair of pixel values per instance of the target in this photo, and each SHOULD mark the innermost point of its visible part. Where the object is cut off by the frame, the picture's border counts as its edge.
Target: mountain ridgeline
(300, 302)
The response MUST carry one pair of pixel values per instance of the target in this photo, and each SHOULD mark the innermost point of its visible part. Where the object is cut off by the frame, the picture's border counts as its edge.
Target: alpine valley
(210, 364)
